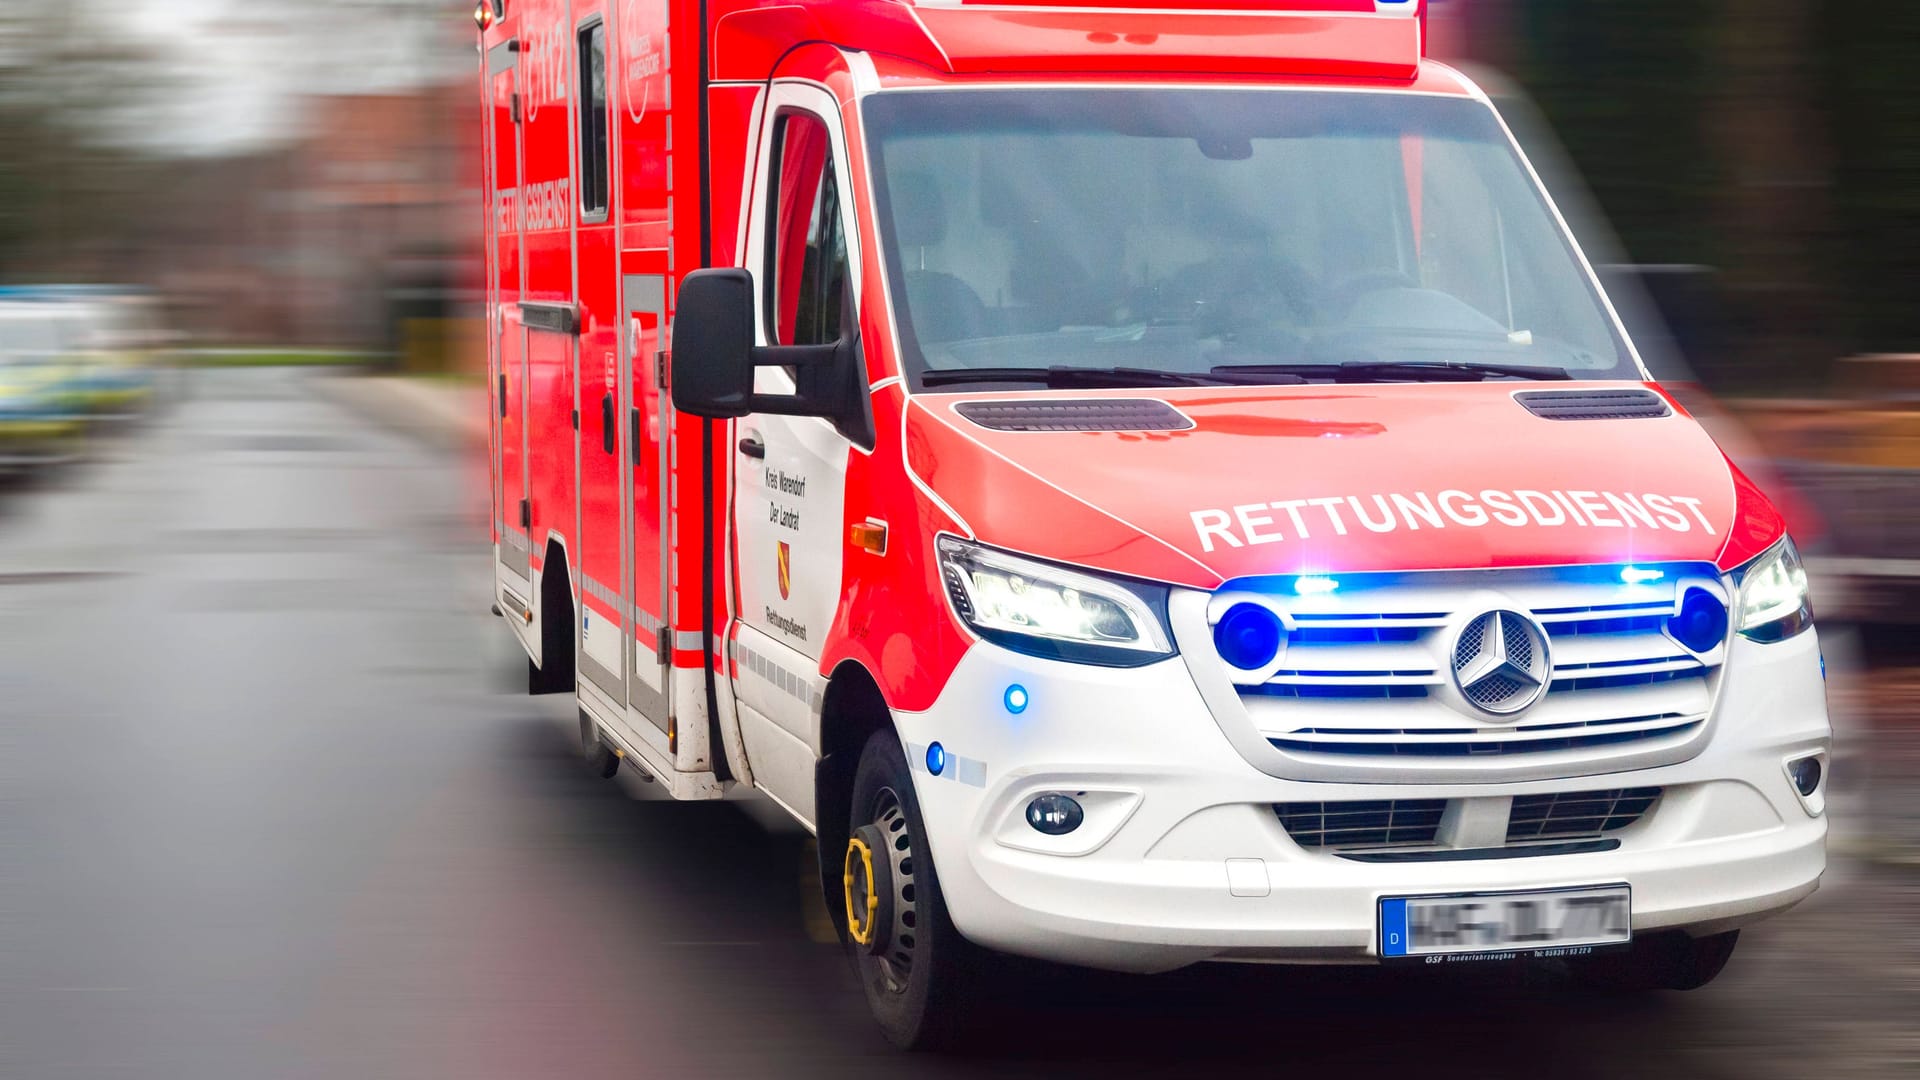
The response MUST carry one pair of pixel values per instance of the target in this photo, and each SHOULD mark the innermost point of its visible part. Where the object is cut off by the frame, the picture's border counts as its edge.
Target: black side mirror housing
(713, 344)
(714, 357)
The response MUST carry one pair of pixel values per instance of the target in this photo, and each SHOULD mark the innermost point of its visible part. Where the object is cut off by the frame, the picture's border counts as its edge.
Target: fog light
(1055, 814)
(1806, 774)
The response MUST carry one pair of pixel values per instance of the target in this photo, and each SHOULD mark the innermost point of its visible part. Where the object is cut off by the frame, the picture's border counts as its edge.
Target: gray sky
(242, 65)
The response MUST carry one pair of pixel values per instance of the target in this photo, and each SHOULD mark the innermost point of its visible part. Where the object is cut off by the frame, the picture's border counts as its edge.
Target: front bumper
(1145, 883)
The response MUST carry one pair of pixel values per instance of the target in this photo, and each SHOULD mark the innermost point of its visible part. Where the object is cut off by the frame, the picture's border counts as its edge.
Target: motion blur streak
(262, 816)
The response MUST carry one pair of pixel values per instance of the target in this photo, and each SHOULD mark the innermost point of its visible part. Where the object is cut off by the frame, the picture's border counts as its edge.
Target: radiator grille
(1380, 823)
(1367, 684)
(1469, 742)
(1572, 815)
(1415, 823)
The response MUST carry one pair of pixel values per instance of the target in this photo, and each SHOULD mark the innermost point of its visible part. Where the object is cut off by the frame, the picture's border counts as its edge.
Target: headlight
(1774, 602)
(1050, 611)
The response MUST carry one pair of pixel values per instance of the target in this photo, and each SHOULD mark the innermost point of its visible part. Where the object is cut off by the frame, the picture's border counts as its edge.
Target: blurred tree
(1865, 83)
(152, 141)
(1774, 140)
(69, 190)
(1627, 91)
(1775, 213)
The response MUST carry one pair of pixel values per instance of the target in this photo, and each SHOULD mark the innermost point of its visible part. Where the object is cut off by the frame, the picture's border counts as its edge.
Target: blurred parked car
(106, 339)
(42, 390)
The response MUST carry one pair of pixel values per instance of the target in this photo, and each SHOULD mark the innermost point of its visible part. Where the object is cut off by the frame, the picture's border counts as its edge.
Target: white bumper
(1146, 883)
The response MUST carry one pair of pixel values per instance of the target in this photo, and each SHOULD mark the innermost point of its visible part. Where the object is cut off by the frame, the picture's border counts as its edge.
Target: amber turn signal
(869, 536)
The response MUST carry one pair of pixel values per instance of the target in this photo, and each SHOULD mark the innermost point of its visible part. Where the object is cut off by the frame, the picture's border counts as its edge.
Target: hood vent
(1594, 404)
(1091, 414)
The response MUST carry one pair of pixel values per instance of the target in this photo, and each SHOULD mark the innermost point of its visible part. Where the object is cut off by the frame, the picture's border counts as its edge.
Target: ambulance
(1144, 483)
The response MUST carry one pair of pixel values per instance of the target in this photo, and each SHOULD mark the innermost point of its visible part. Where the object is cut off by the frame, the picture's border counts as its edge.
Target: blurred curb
(448, 415)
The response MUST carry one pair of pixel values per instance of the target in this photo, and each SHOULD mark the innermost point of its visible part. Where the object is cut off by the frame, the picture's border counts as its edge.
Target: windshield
(1232, 235)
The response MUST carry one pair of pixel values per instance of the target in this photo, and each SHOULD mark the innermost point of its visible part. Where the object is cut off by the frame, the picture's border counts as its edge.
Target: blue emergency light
(1315, 586)
(1016, 699)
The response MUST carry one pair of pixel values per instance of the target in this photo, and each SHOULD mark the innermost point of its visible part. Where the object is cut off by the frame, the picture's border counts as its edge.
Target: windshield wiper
(1062, 378)
(1398, 370)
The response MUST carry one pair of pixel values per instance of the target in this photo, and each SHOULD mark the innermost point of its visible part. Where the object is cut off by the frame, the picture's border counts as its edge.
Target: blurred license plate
(1554, 922)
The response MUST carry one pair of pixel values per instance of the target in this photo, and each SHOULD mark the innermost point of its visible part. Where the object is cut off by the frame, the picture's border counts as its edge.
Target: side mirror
(714, 357)
(713, 344)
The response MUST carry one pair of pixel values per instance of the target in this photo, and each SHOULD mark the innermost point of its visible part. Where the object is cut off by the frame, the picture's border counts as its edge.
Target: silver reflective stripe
(794, 684)
(599, 591)
(964, 770)
(605, 593)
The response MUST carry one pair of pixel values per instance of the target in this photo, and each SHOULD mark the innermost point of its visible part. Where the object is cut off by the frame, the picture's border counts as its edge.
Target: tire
(920, 976)
(1670, 961)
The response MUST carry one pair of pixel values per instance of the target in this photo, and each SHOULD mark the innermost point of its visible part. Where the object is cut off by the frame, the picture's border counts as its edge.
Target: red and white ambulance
(1145, 483)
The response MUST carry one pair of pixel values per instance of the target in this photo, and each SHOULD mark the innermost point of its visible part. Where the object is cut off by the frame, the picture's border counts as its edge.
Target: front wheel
(918, 972)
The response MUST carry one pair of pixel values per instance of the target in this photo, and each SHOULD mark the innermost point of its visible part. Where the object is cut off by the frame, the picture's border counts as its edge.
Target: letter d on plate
(1393, 928)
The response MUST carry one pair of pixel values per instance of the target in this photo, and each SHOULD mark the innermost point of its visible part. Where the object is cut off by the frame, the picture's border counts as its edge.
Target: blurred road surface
(270, 808)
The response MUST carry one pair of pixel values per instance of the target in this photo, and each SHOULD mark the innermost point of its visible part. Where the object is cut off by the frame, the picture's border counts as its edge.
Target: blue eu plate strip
(1393, 928)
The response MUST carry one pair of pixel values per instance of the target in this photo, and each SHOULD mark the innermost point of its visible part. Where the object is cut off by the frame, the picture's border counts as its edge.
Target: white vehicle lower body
(1182, 857)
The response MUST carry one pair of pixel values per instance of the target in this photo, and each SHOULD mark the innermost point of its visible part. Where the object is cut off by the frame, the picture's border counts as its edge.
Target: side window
(594, 183)
(806, 271)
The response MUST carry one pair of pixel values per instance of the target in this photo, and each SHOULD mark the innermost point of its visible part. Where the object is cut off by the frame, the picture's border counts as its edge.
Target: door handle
(635, 424)
(753, 447)
(503, 395)
(606, 423)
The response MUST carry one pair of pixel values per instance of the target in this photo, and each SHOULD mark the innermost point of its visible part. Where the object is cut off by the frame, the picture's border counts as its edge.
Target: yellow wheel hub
(861, 911)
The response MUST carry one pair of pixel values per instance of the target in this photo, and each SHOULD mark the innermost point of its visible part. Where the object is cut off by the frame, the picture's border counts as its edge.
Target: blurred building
(387, 211)
(361, 225)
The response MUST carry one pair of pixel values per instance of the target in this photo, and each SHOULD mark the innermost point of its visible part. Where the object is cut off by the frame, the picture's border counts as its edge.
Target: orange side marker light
(869, 536)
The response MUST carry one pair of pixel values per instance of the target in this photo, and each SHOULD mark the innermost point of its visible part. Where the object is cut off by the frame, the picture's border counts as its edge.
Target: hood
(1245, 481)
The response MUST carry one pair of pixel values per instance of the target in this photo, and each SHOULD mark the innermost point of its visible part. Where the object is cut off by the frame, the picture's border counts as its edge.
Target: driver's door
(790, 472)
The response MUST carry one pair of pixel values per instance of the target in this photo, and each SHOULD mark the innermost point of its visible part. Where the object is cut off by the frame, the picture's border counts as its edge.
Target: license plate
(1555, 922)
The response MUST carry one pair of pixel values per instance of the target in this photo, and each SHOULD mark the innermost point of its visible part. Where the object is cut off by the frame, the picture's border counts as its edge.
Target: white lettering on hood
(1251, 524)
